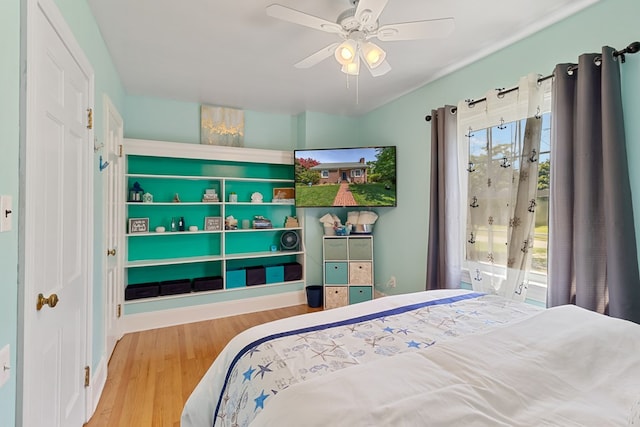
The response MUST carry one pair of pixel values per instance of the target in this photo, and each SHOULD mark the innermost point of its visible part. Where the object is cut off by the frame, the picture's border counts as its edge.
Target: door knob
(111, 252)
(51, 301)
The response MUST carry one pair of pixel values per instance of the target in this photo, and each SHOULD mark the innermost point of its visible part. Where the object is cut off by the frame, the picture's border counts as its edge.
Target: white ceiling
(230, 53)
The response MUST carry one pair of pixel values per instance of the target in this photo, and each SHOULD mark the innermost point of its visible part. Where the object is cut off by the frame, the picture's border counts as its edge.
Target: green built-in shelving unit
(184, 172)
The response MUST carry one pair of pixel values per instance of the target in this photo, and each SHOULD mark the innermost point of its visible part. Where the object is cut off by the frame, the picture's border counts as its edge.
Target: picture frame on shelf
(212, 223)
(285, 195)
(138, 225)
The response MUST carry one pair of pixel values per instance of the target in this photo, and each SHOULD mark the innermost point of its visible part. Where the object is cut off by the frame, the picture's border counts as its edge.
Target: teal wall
(401, 233)
(9, 177)
(609, 22)
(177, 121)
(401, 123)
(170, 120)
(631, 103)
(323, 131)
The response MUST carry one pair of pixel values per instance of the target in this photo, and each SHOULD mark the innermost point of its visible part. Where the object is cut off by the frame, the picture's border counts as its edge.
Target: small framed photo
(138, 225)
(212, 223)
(283, 195)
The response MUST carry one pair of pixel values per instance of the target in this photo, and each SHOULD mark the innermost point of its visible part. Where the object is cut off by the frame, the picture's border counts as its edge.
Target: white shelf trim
(143, 147)
(207, 203)
(191, 260)
(208, 178)
(173, 203)
(197, 294)
(170, 261)
(196, 313)
(253, 230)
(173, 233)
(258, 204)
(182, 233)
(264, 254)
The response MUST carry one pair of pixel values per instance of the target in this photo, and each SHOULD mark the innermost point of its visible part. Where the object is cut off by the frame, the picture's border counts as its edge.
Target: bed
(438, 358)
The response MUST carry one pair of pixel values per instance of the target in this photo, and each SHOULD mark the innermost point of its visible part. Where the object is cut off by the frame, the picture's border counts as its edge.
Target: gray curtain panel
(593, 259)
(444, 247)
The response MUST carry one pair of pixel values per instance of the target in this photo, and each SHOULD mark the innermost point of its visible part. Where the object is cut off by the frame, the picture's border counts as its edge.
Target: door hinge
(89, 118)
(120, 150)
(87, 375)
(119, 311)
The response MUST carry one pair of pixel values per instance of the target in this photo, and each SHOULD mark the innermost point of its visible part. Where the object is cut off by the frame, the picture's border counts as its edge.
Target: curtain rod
(632, 48)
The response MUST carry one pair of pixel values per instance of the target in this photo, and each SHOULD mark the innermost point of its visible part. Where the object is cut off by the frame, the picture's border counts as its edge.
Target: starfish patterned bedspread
(263, 362)
(564, 367)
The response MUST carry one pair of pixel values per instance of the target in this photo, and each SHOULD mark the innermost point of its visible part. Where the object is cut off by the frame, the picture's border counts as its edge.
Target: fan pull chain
(357, 87)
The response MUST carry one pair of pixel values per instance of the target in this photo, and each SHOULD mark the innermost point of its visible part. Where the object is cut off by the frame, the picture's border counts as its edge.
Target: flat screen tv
(343, 177)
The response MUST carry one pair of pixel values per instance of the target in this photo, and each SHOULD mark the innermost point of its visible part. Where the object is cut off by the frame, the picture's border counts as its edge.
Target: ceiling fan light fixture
(355, 27)
(346, 52)
(352, 68)
(373, 54)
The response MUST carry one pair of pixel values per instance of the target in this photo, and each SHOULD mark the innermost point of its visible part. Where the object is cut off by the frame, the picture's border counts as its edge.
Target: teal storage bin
(359, 294)
(274, 273)
(335, 249)
(360, 248)
(336, 273)
(236, 279)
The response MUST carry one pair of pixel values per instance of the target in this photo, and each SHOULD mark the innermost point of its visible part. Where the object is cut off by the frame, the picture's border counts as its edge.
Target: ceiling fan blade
(301, 18)
(368, 11)
(434, 28)
(317, 57)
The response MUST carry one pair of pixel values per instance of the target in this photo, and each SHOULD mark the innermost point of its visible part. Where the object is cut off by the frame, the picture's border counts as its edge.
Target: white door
(58, 222)
(114, 224)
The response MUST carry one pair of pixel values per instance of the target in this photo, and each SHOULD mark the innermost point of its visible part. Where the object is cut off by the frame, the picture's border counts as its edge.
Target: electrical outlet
(5, 213)
(5, 364)
(392, 282)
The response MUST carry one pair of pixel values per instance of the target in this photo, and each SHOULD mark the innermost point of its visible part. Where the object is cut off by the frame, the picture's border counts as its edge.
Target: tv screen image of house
(356, 176)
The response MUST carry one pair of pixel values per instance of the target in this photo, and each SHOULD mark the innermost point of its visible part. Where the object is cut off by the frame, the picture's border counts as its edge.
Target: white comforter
(563, 367)
(529, 373)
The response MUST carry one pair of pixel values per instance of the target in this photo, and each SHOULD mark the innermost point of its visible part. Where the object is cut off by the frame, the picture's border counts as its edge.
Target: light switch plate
(6, 213)
(5, 364)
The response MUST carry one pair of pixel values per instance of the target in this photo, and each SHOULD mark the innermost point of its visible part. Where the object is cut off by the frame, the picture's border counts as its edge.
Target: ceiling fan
(356, 26)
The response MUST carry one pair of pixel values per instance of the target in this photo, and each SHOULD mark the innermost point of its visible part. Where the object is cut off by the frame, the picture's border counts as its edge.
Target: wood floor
(152, 373)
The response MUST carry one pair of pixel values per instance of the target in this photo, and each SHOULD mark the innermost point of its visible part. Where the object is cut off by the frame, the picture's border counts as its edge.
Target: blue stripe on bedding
(359, 319)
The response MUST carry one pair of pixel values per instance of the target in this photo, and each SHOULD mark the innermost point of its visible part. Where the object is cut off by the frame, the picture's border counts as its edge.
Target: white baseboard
(377, 294)
(96, 386)
(198, 313)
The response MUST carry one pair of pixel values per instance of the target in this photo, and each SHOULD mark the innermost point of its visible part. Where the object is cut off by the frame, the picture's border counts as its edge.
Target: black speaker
(290, 240)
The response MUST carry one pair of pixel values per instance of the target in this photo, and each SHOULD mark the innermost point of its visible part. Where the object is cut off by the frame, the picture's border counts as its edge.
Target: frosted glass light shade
(346, 52)
(373, 54)
(352, 68)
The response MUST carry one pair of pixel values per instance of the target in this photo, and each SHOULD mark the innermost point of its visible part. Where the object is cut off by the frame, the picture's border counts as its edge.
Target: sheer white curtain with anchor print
(500, 168)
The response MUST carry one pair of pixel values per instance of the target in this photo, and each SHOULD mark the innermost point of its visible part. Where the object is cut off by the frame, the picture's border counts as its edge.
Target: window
(324, 173)
(356, 173)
